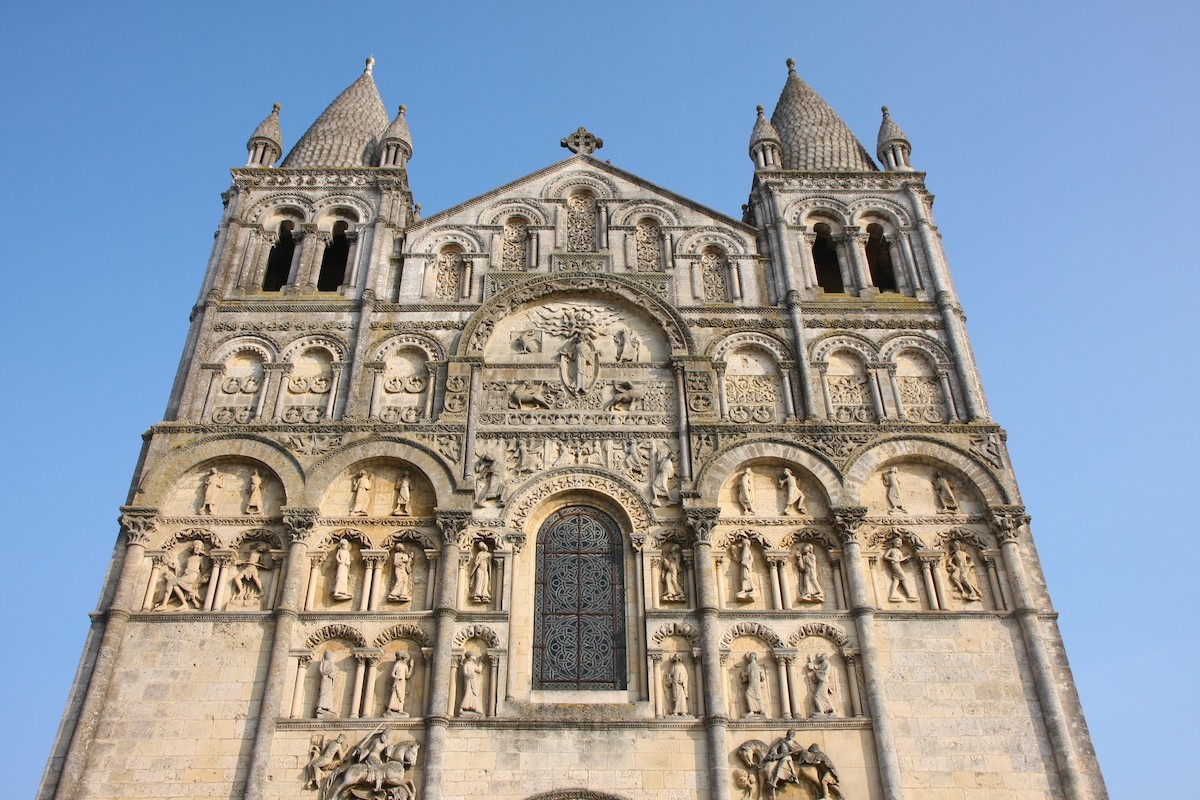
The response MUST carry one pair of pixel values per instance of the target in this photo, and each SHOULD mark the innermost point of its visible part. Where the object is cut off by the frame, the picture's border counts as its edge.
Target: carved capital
(1007, 522)
(299, 523)
(792, 298)
(453, 525)
(138, 523)
(702, 522)
(848, 521)
(515, 541)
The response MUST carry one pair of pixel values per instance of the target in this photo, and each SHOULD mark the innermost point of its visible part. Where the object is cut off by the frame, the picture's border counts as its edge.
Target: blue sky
(1055, 136)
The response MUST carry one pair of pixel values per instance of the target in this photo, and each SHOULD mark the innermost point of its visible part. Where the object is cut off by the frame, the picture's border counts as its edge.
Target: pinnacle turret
(814, 137)
(396, 148)
(892, 146)
(766, 149)
(266, 143)
(348, 132)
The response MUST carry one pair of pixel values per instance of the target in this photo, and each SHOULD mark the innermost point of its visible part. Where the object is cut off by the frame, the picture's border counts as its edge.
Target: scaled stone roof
(269, 129)
(348, 132)
(814, 137)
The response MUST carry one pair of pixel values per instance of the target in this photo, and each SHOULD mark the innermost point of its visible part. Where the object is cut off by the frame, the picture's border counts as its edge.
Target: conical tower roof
(889, 130)
(399, 128)
(347, 132)
(763, 131)
(814, 137)
(269, 129)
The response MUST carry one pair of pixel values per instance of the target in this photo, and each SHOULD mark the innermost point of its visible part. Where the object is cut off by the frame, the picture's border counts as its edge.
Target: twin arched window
(279, 262)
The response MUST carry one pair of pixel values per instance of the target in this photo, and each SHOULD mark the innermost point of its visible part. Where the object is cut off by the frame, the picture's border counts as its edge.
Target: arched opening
(581, 223)
(279, 263)
(449, 283)
(714, 273)
(515, 244)
(825, 259)
(579, 602)
(333, 263)
(879, 260)
(648, 240)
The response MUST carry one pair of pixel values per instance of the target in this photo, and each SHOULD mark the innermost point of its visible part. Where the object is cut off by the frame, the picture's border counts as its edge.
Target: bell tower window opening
(579, 603)
(879, 260)
(279, 262)
(333, 262)
(825, 259)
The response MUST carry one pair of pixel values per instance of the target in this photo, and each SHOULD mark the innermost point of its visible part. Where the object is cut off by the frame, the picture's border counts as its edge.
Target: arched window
(581, 223)
(648, 242)
(515, 244)
(714, 274)
(824, 253)
(579, 603)
(279, 263)
(333, 263)
(449, 284)
(879, 260)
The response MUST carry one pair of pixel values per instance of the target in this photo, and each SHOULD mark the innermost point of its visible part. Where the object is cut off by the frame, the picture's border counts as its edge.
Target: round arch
(328, 468)
(159, 477)
(863, 465)
(616, 496)
(713, 474)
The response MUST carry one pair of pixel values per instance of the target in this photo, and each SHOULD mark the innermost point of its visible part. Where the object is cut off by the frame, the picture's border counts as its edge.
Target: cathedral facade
(576, 490)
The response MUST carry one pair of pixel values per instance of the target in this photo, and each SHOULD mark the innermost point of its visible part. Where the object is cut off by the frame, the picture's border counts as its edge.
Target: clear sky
(1055, 136)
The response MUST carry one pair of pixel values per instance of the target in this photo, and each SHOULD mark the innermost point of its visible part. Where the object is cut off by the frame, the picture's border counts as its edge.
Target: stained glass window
(579, 623)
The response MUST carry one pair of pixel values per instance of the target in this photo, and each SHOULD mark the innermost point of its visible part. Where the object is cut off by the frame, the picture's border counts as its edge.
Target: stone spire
(892, 146)
(766, 149)
(347, 133)
(396, 148)
(814, 137)
(266, 143)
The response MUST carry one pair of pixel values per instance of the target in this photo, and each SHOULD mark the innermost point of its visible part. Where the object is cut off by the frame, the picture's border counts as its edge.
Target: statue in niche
(944, 493)
(672, 568)
(214, 482)
(961, 568)
(528, 396)
(254, 498)
(677, 687)
(326, 669)
(403, 507)
(471, 669)
(323, 756)
(820, 681)
(793, 504)
(810, 579)
(787, 761)
(745, 561)
(489, 481)
(376, 768)
(891, 483)
(664, 475)
(626, 397)
(184, 584)
(361, 487)
(480, 572)
(745, 492)
(895, 559)
(528, 341)
(247, 582)
(342, 558)
(402, 565)
(754, 679)
(402, 670)
(629, 345)
(579, 363)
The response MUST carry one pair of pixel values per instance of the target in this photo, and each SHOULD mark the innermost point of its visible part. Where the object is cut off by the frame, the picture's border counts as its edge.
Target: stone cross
(582, 142)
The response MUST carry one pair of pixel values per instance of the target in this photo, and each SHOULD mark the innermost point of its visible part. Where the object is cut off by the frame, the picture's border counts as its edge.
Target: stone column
(774, 562)
(848, 521)
(716, 718)
(356, 694)
(299, 522)
(656, 699)
(810, 411)
(219, 578)
(895, 388)
(795, 688)
(835, 566)
(437, 719)
(856, 248)
(791, 299)
(999, 596)
(137, 524)
(1008, 523)
(948, 394)
(314, 573)
(785, 695)
(823, 371)
(876, 394)
(685, 433)
(928, 558)
(302, 662)
(722, 395)
(374, 560)
(856, 708)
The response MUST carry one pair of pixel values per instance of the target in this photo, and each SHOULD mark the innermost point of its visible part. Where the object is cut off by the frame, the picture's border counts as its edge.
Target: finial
(884, 109)
(275, 108)
(760, 111)
(403, 108)
(582, 142)
(791, 64)
(370, 64)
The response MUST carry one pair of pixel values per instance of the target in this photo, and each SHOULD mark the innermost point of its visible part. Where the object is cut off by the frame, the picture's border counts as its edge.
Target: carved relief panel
(769, 489)
(921, 389)
(379, 488)
(225, 488)
(307, 393)
(405, 387)
(753, 387)
(848, 389)
(918, 490)
(240, 389)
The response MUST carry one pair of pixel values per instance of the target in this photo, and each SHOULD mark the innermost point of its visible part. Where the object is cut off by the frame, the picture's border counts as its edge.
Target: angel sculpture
(581, 327)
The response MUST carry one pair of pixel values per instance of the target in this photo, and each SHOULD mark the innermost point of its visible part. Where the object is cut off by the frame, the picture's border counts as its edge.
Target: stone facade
(575, 484)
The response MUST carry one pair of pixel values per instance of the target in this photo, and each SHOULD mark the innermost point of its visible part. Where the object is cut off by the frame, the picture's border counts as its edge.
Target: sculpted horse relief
(785, 761)
(377, 768)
